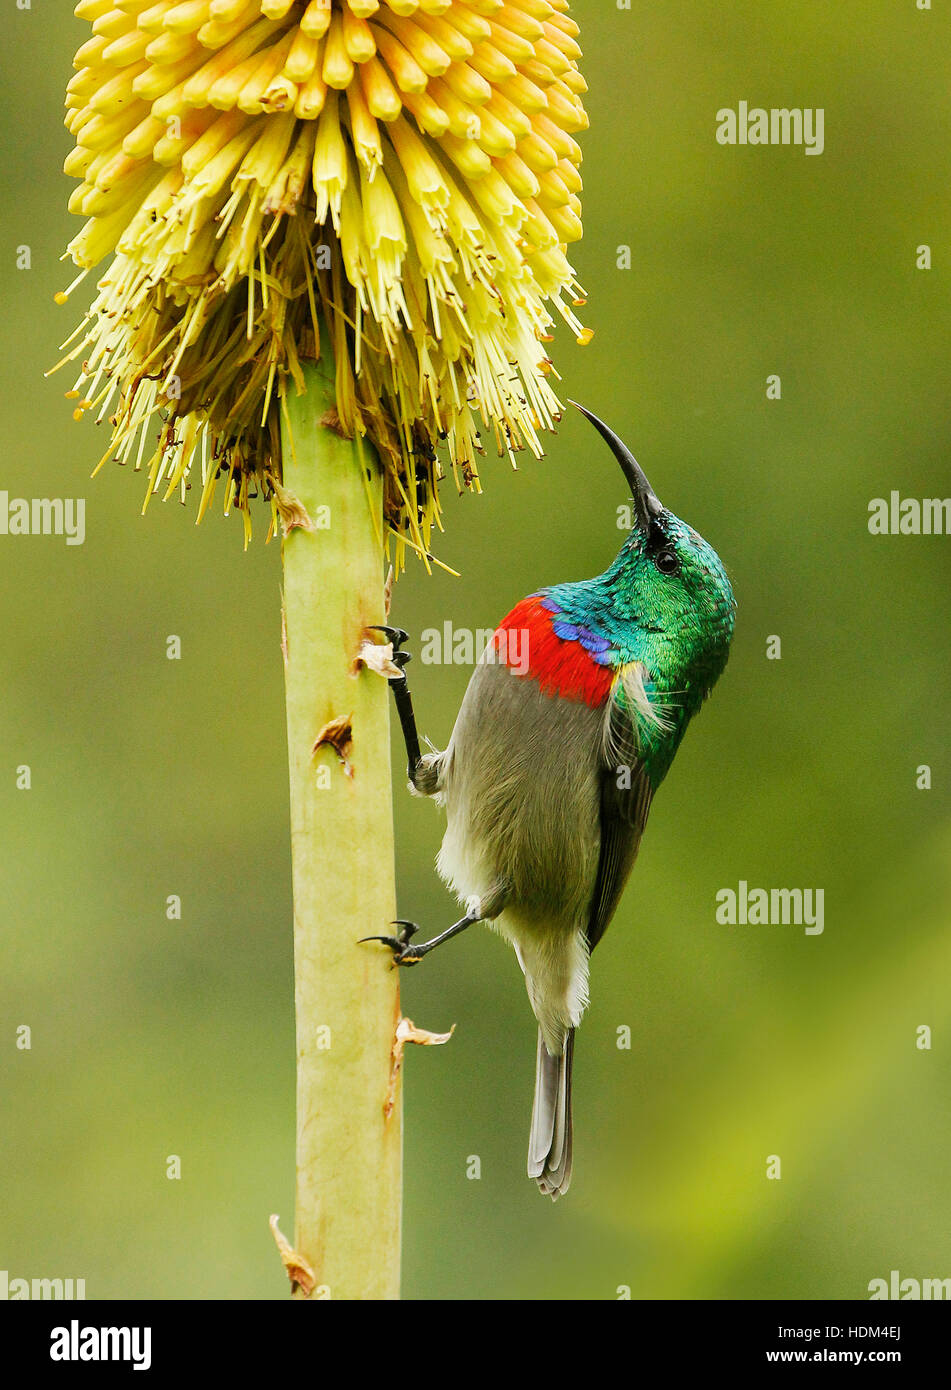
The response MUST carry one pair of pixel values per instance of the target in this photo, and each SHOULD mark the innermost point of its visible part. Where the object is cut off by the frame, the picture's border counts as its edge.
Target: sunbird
(556, 753)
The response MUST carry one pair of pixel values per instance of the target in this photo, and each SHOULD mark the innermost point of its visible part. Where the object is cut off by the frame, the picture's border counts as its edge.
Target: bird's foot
(396, 637)
(403, 952)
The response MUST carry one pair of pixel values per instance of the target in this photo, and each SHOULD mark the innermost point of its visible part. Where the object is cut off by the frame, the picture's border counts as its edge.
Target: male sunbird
(554, 761)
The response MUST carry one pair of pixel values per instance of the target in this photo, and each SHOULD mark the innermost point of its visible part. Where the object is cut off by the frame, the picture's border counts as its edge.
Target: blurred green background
(153, 777)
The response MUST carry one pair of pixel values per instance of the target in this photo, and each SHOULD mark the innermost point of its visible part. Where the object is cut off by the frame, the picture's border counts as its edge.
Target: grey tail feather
(549, 1145)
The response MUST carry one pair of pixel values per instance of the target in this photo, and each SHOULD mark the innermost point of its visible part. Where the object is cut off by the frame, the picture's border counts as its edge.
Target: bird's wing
(626, 794)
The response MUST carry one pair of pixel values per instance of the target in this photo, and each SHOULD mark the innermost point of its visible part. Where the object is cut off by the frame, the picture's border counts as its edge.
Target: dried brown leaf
(298, 1270)
(291, 510)
(338, 735)
(378, 656)
(407, 1032)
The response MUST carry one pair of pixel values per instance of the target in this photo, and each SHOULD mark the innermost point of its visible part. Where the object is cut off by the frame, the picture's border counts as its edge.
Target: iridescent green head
(670, 585)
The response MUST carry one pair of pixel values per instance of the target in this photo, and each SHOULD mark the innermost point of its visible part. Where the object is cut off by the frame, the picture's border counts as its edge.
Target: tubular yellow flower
(403, 170)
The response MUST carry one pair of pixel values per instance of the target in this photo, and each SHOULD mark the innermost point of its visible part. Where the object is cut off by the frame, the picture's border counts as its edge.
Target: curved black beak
(646, 502)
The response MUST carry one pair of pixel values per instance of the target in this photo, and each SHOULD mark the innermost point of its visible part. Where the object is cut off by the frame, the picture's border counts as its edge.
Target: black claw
(396, 635)
(403, 952)
(409, 928)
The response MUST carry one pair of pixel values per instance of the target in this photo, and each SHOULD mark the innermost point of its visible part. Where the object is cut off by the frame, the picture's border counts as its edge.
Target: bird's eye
(667, 560)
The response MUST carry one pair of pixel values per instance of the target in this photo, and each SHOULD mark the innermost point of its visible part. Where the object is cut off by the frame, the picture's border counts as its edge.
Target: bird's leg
(478, 909)
(404, 953)
(404, 701)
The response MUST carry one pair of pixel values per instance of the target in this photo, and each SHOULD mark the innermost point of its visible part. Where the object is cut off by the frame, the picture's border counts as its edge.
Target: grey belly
(521, 785)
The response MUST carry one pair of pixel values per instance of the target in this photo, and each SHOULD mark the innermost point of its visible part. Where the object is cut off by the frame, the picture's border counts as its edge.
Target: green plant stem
(349, 1156)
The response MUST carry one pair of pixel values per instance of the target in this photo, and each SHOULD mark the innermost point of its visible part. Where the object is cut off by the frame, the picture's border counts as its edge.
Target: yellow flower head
(402, 171)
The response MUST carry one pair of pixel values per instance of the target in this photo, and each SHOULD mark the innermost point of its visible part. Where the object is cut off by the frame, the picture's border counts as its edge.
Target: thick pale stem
(349, 1156)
